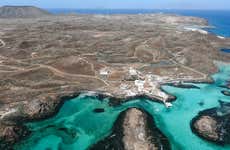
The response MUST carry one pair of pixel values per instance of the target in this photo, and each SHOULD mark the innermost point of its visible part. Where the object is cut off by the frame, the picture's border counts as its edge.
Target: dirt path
(56, 71)
(204, 76)
(64, 74)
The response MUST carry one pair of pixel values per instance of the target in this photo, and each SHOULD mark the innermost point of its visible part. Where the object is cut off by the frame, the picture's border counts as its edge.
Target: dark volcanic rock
(206, 127)
(134, 130)
(21, 12)
(181, 85)
(12, 134)
(226, 93)
(213, 124)
(226, 85)
(99, 110)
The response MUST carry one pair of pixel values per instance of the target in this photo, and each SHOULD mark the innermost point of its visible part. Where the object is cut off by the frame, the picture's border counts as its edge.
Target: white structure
(140, 85)
(133, 72)
(167, 104)
(104, 71)
(130, 93)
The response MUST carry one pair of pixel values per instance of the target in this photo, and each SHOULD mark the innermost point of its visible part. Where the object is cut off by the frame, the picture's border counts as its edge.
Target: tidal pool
(77, 125)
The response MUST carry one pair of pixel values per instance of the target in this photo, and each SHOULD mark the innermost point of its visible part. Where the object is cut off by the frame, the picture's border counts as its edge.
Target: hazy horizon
(120, 8)
(121, 4)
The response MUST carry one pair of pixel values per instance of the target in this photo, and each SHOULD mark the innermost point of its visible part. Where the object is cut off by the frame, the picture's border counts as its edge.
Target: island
(49, 59)
(213, 124)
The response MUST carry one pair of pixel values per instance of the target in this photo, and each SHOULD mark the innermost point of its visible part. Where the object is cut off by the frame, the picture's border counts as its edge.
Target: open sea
(77, 126)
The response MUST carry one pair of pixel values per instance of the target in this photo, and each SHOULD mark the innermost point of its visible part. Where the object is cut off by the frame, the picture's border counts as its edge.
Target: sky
(122, 4)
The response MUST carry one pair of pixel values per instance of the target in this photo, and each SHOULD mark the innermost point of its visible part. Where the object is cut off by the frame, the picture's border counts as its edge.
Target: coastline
(114, 99)
(220, 129)
(116, 140)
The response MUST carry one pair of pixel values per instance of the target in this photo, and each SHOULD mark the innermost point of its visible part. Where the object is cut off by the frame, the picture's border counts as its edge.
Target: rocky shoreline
(226, 93)
(181, 85)
(10, 136)
(48, 60)
(14, 131)
(213, 124)
(134, 130)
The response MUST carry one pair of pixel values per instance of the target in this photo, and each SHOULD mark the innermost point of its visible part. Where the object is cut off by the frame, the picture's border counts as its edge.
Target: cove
(85, 120)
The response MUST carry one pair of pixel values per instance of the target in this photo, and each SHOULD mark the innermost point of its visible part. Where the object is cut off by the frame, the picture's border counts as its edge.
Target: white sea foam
(196, 30)
(221, 37)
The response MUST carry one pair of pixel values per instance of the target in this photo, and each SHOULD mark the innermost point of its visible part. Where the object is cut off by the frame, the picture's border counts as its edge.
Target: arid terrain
(45, 59)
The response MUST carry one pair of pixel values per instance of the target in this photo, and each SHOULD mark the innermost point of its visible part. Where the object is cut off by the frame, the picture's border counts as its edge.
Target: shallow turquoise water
(76, 126)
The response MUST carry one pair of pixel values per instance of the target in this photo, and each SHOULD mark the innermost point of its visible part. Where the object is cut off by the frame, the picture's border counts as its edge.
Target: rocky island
(213, 124)
(48, 59)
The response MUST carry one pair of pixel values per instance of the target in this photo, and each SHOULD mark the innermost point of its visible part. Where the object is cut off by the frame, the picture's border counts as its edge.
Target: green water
(77, 126)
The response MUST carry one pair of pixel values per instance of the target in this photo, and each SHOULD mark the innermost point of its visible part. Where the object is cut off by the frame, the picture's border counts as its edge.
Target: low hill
(21, 12)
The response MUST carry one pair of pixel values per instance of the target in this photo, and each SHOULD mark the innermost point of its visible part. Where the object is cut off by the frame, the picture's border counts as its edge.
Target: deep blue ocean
(220, 19)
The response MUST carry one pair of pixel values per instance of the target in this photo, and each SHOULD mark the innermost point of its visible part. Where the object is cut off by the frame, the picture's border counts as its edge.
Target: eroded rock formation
(213, 124)
(134, 130)
(226, 93)
(11, 134)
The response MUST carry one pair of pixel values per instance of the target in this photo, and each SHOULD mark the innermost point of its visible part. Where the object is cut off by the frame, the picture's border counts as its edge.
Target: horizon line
(135, 8)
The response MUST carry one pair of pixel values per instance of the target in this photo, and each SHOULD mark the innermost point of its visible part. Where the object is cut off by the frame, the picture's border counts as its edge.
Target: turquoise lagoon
(77, 126)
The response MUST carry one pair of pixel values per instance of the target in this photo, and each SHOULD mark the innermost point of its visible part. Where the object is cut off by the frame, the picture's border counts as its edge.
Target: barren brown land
(45, 59)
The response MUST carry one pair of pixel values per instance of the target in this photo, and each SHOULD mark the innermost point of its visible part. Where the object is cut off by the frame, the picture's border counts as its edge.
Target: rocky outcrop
(226, 85)
(226, 93)
(207, 127)
(185, 86)
(213, 124)
(134, 130)
(21, 12)
(11, 134)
